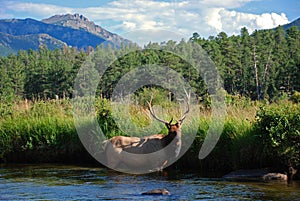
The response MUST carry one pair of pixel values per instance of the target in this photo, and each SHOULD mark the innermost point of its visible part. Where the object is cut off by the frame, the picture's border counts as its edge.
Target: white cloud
(233, 21)
(214, 19)
(270, 20)
(37, 9)
(224, 3)
(129, 25)
(207, 17)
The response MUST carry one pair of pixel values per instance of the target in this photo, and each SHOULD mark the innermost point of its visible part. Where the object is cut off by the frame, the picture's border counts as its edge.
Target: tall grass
(232, 147)
(38, 126)
(44, 131)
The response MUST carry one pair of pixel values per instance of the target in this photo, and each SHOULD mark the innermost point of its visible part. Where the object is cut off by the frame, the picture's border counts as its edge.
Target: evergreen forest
(263, 65)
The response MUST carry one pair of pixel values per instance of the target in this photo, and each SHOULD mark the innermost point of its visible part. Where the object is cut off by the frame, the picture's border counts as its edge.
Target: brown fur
(147, 153)
(117, 147)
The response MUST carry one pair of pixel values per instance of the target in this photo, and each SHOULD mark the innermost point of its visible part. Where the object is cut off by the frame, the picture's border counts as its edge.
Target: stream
(69, 182)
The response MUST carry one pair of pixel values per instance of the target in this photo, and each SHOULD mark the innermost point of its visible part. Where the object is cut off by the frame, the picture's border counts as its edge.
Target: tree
(280, 60)
(246, 72)
(6, 88)
(293, 57)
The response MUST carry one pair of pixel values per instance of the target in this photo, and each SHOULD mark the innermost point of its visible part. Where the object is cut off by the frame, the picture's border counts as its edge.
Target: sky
(154, 19)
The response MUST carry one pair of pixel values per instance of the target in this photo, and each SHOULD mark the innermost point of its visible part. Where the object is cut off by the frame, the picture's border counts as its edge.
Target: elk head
(174, 130)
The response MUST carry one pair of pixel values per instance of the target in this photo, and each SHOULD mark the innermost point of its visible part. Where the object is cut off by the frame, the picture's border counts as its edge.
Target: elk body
(142, 153)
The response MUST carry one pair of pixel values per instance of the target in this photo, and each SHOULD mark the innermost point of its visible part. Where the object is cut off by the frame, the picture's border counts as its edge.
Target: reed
(37, 126)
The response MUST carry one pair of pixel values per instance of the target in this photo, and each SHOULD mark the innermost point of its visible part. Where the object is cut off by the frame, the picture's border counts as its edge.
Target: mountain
(54, 32)
(293, 23)
(12, 44)
(80, 22)
(72, 37)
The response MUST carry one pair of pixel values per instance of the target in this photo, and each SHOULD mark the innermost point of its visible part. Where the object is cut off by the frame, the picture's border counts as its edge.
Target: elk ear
(168, 126)
(178, 124)
(171, 121)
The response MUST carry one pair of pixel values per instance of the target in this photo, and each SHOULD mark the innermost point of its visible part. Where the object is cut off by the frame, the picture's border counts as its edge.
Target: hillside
(12, 44)
(293, 23)
(80, 22)
(72, 37)
(54, 32)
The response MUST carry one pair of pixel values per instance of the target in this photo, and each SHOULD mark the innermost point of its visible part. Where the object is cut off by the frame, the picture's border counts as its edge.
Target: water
(58, 182)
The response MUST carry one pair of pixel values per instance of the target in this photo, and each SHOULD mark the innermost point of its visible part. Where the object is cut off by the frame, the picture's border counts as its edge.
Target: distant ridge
(80, 22)
(12, 44)
(60, 30)
(293, 23)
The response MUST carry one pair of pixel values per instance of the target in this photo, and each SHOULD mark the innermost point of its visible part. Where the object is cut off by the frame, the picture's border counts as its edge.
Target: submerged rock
(275, 177)
(160, 191)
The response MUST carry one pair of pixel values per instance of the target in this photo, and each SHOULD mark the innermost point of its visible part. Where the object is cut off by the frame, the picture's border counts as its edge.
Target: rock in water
(160, 191)
(255, 175)
(275, 177)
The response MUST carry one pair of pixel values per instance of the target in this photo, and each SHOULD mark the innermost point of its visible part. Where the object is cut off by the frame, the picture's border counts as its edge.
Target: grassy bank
(37, 132)
(254, 135)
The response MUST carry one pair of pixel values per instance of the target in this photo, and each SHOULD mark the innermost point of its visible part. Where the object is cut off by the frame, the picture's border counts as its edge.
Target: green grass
(39, 126)
(44, 132)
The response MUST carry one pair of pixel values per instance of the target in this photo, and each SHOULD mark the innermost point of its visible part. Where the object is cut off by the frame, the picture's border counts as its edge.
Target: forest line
(261, 65)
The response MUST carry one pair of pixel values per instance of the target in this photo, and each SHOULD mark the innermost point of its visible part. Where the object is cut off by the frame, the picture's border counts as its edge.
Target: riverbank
(255, 135)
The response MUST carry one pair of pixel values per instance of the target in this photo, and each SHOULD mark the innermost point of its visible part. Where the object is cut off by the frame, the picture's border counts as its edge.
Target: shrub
(279, 130)
(295, 97)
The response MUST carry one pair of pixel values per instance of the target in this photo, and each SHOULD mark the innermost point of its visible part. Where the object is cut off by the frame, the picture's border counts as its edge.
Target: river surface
(64, 182)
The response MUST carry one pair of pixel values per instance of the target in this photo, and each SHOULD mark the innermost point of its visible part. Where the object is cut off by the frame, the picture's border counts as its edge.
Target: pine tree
(246, 63)
(293, 65)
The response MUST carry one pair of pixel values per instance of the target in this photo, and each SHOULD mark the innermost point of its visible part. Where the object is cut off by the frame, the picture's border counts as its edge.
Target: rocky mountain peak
(77, 21)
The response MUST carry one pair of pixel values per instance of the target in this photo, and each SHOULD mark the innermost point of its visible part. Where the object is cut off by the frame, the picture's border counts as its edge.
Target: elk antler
(153, 113)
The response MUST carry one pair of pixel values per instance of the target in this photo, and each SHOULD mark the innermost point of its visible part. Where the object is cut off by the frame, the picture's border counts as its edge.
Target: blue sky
(207, 17)
(290, 7)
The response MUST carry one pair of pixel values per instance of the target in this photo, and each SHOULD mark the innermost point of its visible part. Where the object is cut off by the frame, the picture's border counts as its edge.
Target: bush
(295, 97)
(279, 130)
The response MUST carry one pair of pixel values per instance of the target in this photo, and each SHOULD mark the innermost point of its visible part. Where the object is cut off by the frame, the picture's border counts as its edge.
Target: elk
(137, 153)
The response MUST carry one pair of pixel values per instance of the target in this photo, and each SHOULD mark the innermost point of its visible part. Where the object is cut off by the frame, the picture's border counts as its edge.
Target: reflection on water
(57, 182)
